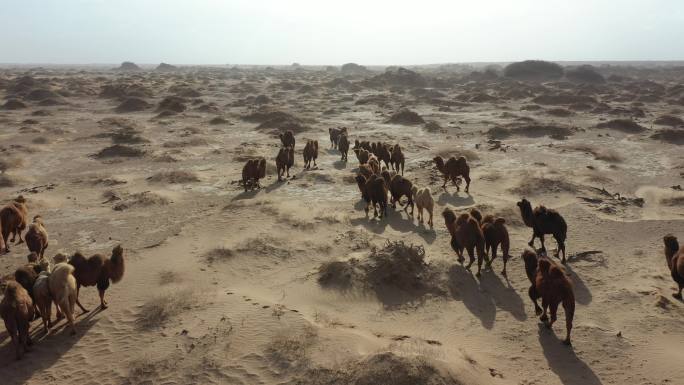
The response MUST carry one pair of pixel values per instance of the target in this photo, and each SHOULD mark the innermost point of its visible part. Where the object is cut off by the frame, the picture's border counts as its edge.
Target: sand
(292, 283)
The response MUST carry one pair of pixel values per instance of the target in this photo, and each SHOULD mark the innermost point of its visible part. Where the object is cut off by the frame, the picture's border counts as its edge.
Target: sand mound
(584, 74)
(262, 99)
(122, 91)
(669, 120)
(177, 176)
(159, 309)
(7, 180)
(166, 67)
(142, 199)
(563, 99)
(670, 135)
(382, 368)
(536, 70)
(560, 112)
(530, 186)
(13, 104)
(397, 77)
(40, 94)
(405, 117)
(218, 120)
(128, 66)
(50, 102)
(121, 151)
(185, 91)
(172, 103)
(530, 131)
(274, 121)
(624, 125)
(397, 273)
(133, 105)
(599, 153)
(354, 69)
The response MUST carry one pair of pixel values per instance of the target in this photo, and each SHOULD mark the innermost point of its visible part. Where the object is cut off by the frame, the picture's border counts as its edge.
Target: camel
(495, 234)
(465, 234)
(16, 309)
(544, 221)
(97, 270)
(674, 255)
(452, 169)
(423, 199)
(37, 237)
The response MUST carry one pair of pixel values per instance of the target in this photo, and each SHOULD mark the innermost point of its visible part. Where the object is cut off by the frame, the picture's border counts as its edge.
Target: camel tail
(117, 265)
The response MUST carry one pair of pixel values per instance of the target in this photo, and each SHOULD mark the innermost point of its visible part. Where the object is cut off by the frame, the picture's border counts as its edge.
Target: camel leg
(678, 295)
(544, 318)
(472, 259)
(569, 314)
(430, 221)
(532, 292)
(541, 239)
(467, 179)
(420, 214)
(505, 259)
(494, 249)
(70, 319)
(554, 314)
(446, 178)
(78, 289)
(103, 302)
(531, 242)
(561, 249)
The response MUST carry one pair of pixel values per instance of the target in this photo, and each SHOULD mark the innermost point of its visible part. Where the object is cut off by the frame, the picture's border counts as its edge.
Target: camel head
(356, 144)
(530, 259)
(439, 162)
(117, 250)
(671, 248)
(526, 211)
(544, 265)
(449, 215)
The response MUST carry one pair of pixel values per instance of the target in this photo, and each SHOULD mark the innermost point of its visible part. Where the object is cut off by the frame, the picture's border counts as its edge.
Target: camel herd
(381, 183)
(30, 292)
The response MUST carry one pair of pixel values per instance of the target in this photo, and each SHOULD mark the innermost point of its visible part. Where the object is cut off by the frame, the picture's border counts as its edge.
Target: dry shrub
(406, 117)
(673, 201)
(156, 311)
(530, 131)
(397, 273)
(218, 254)
(185, 143)
(624, 125)
(167, 277)
(121, 151)
(446, 153)
(291, 350)
(264, 245)
(143, 199)
(533, 186)
(599, 153)
(669, 120)
(670, 135)
(176, 176)
(381, 368)
(40, 140)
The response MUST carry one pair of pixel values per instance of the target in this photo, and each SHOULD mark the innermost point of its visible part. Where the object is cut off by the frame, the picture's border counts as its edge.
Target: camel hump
(499, 221)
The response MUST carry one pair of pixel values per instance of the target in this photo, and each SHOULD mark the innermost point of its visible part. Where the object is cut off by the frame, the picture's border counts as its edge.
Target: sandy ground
(221, 285)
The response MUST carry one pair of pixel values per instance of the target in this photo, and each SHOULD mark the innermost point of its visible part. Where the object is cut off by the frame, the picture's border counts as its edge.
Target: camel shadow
(505, 297)
(340, 164)
(455, 199)
(403, 222)
(563, 361)
(45, 353)
(464, 287)
(582, 293)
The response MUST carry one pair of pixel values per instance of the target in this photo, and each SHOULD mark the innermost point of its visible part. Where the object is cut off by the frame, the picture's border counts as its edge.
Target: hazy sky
(339, 31)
